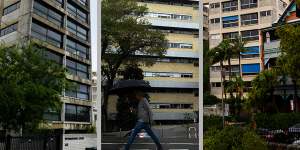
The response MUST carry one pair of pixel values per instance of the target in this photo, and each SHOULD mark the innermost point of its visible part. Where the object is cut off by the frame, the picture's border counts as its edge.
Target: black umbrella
(125, 85)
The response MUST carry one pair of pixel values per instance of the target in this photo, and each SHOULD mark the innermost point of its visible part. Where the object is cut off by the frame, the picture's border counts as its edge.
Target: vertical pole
(201, 75)
(222, 86)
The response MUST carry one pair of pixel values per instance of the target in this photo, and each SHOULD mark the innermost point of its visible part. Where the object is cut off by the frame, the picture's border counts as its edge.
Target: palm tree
(238, 46)
(265, 84)
(236, 85)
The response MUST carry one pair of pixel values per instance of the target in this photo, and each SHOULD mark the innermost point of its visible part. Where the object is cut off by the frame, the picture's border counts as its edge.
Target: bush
(233, 138)
(209, 99)
(212, 122)
(276, 121)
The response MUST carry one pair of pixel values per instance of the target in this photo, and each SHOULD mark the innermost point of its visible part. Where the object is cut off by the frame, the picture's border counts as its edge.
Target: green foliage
(276, 121)
(29, 85)
(212, 122)
(263, 90)
(209, 99)
(233, 138)
(124, 34)
(133, 72)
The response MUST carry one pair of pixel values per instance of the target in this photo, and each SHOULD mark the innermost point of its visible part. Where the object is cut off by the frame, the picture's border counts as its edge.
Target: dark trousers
(138, 127)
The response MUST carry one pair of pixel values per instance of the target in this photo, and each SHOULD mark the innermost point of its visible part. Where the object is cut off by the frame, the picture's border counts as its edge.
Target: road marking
(153, 143)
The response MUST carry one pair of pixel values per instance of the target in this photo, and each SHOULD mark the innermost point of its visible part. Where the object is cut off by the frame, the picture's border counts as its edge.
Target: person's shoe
(159, 147)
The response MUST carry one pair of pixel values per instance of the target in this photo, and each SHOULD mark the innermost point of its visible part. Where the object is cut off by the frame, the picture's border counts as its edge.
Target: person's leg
(136, 130)
(153, 136)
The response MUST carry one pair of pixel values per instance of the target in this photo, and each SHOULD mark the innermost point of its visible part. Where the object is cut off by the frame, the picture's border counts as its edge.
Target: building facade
(227, 19)
(270, 52)
(174, 78)
(63, 27)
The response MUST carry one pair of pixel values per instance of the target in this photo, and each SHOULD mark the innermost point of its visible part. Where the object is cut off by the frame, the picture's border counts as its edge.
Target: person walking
(144, 116)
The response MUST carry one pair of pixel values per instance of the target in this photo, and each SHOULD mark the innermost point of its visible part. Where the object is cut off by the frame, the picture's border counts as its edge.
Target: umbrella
(123, 85)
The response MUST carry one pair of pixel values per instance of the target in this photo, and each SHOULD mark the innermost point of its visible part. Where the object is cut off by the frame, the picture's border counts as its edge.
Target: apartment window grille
(249, 19)
(181, 45)
(230, 6)
(230, 21)
(77, 30)
(168, 74)
(80, 91)
(214, 5)
(77, 113)
(250, 35)
(78, 69)
(215, 20)
(11, 8)
(77, 49)
(77, 12)
(168, 16)
(245, 4)
(230, 35)
(9, 29)
(45, 34)
(47, 13)
(266, 13)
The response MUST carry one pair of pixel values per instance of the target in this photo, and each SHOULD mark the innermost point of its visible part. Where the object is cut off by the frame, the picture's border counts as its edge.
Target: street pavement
(175, 137)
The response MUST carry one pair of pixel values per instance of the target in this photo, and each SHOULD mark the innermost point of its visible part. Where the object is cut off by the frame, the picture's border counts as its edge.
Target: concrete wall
(79, 141)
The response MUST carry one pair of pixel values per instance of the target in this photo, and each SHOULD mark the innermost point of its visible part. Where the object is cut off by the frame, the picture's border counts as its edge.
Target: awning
(251, 50)
(230, 18)
(251, 68)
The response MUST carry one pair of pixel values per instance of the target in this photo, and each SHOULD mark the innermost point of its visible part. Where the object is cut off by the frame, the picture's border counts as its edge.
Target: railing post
(8, 142)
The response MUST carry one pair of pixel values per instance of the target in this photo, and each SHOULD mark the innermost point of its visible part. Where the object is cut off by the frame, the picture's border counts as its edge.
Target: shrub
(233, 138)
(212, 122)
(276, 121)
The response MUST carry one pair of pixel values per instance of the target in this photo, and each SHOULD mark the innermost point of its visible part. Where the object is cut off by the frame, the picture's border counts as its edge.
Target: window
(168, 74)
(11, 8)
(251, 52)
(265, 13)
(249, 19)
(8, 29)
(181, 45)
(52, 115)
(76, 12)
(77, 30)
(249, 69)
(230, 35)
(230, 6)
(81, 91)
(77, 113)
(215, 20)
(230, 21)
(77, 49)
(47, 13)
(46, 34)
(248, 4)
(78, 69)
(216, 84)
(250, 35)
(54, 57)
(215, 5)
(83, 2)
(168, 16)
(171, 106)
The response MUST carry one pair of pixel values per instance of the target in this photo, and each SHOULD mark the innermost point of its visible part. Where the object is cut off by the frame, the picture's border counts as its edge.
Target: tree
(29, 85)
(263, 87)
(238, 46)
(236, 85)
(290, 47)
(124, 34)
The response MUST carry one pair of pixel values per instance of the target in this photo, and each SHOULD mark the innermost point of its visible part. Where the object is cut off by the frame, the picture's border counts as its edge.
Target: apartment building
(63, 26)
(227, 19)
(174, 78)
(270, 51)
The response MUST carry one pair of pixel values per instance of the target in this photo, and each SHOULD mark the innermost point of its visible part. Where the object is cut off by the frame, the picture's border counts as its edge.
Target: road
(171, 137)
(168, 144)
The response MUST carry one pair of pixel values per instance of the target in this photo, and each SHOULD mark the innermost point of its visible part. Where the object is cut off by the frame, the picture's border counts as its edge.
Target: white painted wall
(79, 141)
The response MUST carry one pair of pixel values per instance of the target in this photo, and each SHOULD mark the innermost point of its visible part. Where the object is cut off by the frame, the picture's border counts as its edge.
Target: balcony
(173, 23)
(271, 50)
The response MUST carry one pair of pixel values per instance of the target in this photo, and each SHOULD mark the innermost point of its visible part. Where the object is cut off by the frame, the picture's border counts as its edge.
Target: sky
(94, 18)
